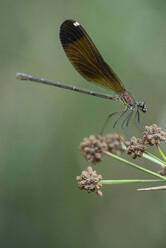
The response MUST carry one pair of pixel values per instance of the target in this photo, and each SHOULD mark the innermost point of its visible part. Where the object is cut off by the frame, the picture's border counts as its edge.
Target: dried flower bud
(153, 135)
(135, 147)
(89, 181)
(92, 148)
(162, 171)
(114, 143)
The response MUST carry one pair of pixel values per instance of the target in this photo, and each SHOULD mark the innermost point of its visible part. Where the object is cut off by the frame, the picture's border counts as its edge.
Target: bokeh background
(41, 126)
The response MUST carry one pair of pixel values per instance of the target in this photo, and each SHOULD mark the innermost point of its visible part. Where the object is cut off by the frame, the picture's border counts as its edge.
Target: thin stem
(134, 165)
(155, 159)
(161, 153)
(152, 188)
(126, 181)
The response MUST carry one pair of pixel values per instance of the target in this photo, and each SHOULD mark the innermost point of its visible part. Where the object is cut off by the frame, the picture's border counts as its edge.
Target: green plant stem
(134, 165)
(153, 158)
(126, 181)
(161, 153)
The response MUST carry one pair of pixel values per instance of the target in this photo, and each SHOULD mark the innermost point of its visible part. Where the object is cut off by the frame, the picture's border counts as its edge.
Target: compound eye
(144, 108)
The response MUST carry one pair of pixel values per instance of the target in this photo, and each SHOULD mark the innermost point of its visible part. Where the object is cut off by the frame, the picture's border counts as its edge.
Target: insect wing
(85, 57)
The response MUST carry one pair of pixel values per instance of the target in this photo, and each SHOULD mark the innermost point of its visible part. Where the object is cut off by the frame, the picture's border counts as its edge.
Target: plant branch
(134, 165)
(161, 153)
(152, 188)
(127, 181)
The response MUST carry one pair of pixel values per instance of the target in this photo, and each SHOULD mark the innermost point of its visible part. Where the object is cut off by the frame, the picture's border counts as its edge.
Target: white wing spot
(76, 24)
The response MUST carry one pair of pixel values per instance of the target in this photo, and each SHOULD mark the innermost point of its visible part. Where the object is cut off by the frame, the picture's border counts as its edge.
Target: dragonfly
(87, 60)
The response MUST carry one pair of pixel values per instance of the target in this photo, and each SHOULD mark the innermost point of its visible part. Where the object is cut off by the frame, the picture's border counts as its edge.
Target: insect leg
(116, 122)
(106, 122)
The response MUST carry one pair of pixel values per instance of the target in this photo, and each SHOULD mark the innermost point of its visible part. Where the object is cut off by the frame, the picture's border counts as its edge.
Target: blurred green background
(41, 126)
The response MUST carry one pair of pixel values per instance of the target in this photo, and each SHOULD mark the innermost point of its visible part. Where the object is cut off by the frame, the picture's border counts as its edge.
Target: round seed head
(114, 143)
(135, 147)
(92, 148)
(153, 135)
(162, 171)
(89, 181)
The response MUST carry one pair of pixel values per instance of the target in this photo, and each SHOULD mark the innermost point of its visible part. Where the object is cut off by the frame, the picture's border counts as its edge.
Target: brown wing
(85, 57)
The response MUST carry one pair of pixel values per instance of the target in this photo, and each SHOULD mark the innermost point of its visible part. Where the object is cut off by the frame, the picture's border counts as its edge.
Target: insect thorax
(127, 99)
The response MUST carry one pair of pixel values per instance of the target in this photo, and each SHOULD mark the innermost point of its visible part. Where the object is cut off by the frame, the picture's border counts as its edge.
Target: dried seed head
(162, 171)
(135, 147)
(89, 181)
(114, 143)
(153, 135)
(92, 148)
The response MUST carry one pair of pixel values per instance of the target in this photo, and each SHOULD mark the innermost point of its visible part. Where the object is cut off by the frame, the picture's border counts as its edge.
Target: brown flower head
(114, 143)
(135, 147)
(92, 148)
(89, 181)
(163, 171)
(153, 135)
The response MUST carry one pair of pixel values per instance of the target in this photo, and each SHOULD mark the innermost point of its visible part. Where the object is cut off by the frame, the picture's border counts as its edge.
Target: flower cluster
(89, 181)
(114, 143)
(153, 135)
(135, 147)
(94, 147)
